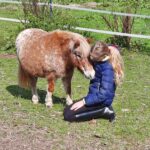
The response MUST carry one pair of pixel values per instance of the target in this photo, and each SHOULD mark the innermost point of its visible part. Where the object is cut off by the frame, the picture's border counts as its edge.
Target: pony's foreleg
(67, 85)
(50, 90)
(35, 98)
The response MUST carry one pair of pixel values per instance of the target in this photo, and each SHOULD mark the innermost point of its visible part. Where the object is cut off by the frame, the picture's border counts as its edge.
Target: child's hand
(78, 105)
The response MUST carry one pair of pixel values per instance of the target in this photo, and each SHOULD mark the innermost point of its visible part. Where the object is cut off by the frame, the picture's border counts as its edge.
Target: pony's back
(26, 37)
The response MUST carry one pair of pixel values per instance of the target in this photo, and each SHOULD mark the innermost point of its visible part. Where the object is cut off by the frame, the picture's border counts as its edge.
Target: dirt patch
(29, 137)
(8, 56)
(23, 137)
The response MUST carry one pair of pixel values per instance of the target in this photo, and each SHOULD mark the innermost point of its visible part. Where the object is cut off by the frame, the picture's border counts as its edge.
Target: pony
(51, 55)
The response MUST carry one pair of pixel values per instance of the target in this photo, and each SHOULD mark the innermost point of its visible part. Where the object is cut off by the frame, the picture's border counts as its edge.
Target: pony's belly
(60, 74)
(55, 63)
(43, 65)
(33, 70)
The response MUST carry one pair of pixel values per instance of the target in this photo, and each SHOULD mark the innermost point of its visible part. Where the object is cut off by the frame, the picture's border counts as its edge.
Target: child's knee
(68, 114)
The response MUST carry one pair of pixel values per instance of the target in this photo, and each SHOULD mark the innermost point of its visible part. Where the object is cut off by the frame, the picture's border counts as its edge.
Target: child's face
(99, 52)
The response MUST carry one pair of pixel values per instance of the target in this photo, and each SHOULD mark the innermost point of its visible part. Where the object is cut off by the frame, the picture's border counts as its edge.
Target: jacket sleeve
(106, 90)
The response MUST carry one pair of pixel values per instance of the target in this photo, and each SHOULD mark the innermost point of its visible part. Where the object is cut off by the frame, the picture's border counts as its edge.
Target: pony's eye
(78, 56)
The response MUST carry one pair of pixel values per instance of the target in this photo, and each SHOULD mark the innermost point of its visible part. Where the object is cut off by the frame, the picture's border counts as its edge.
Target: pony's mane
(117, 63)
(84, 45)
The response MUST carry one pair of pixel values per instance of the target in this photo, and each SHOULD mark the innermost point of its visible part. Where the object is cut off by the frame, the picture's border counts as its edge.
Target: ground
(27, 137)
(32, 138)
(28, 126)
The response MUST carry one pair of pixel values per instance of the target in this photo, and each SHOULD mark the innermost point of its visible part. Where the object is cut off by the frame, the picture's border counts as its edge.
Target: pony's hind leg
(35, 98)
(50, 90)
(67, 85)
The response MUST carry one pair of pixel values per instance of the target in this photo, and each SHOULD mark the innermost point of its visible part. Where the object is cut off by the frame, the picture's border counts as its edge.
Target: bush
(8, 41)
(124, 24)
(41, 17)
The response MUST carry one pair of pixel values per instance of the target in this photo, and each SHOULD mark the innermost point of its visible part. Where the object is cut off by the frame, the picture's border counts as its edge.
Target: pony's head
(80, 50)
(101, 52)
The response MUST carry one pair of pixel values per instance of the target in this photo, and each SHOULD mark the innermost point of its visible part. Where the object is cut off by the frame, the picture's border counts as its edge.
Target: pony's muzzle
(90, 74)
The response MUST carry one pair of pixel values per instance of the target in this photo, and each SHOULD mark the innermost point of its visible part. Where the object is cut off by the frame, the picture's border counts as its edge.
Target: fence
(89, 10)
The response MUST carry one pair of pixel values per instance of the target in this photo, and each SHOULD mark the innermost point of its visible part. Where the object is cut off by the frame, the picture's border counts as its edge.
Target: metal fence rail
(89, 30)
(84, 9)
(89, 10)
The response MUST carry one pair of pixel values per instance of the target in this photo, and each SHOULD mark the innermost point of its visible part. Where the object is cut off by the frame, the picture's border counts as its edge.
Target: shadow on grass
(17, 91)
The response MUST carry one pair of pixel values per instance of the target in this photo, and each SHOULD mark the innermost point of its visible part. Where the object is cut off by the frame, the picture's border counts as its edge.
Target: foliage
(9, 43)
(8, 36)
(123, 24)
(41, 17)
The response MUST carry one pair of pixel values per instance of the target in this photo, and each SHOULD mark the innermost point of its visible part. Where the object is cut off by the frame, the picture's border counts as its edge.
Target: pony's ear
(76, 44)
(73, 45)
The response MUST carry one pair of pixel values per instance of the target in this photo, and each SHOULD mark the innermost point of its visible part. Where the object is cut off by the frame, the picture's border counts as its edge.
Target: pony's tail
(24, 79)
(118, 64)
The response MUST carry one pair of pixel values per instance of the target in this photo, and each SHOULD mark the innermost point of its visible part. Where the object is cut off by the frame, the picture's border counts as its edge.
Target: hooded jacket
(102, 87)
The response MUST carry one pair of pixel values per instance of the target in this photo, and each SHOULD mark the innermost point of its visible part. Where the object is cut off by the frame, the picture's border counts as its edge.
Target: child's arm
(103, 96)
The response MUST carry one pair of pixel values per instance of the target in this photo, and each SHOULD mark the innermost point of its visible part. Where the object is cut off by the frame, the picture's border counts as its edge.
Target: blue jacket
(102, 87)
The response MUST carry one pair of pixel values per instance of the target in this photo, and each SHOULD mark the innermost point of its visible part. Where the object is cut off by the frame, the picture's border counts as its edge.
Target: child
(108, 65)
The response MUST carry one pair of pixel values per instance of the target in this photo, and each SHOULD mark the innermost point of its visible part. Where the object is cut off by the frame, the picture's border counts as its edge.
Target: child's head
(101, 52)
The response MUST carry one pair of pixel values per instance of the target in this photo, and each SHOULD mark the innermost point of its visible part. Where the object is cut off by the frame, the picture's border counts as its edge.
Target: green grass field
(28, 126)
(131, 129)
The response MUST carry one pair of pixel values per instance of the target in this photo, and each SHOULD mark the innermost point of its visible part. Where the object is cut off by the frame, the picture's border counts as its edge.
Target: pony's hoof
(49, 105)
(35, 100)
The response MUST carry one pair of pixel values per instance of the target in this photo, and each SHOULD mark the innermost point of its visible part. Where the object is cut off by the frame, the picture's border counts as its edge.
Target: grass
(130, 129)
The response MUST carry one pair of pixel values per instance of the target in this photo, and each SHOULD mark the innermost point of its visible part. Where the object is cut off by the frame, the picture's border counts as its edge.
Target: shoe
(109, 114)
(112, 118)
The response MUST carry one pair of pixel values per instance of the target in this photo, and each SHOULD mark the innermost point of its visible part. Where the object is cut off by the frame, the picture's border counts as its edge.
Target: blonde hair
(117, 63)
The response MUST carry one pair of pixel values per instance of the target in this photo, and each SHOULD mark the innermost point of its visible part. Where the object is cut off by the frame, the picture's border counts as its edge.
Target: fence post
(51, 10)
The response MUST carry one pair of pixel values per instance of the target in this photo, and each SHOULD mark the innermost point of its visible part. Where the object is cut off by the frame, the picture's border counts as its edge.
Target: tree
(123, 23)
